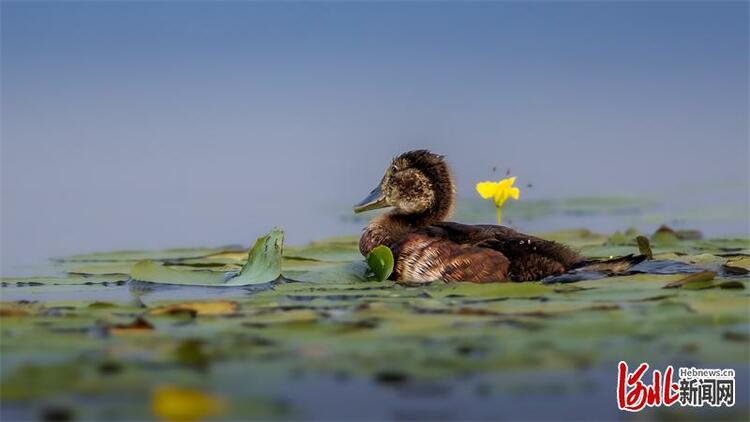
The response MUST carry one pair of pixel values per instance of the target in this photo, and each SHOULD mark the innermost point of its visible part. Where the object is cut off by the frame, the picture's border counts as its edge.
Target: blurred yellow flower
(178, 404)
(499, 191)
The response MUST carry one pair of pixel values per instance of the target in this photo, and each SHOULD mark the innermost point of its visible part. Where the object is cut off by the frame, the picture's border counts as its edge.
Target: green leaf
(699, 285)
(97, 268)
(263, 265)
(694, 281)
(644, 247)
(157, 273)
(664, 236)
(329, 272)
(254, 342)
(74, 279)
(739, 266)
(489, 290)
(380, 261)
(263, 261)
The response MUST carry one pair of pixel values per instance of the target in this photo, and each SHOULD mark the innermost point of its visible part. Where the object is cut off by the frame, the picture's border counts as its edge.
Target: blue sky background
(154, 124)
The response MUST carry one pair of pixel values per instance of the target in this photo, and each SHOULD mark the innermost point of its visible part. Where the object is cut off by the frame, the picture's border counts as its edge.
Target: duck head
(416, 183)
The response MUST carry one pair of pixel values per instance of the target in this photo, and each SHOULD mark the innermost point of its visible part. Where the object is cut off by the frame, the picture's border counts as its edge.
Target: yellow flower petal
(175, 404)
(506, 183)
(499, 191)
(487, 189)
(500, 197)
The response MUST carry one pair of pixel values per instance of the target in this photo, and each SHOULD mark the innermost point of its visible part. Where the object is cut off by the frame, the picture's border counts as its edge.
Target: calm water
(149, 125)
(560, 395)
(91, 225)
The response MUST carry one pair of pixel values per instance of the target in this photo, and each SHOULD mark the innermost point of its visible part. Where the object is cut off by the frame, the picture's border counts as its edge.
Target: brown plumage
(420, 187)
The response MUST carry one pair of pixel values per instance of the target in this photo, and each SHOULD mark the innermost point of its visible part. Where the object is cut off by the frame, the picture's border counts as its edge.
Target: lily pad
(263, 265)
(157, 273)
(213, 308)
(266, 352)
(699, 280)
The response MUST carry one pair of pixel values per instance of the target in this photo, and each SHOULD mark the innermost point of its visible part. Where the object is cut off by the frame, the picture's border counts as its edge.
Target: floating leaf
(698, 285)
(380, 261)
(263, 261)
(731, 284)
(739, 266)
(489, 290)
(138, 325)
(329, 272)
(101, 305)
(697, 280)
(69, 280)
(743, 262)
(207, 308)
(665, 236)
(618, 239)
(292, 316)
(157, 273)
(332, 325)
(10, 310)
(263, 265)
(98, 268)
(217, 259)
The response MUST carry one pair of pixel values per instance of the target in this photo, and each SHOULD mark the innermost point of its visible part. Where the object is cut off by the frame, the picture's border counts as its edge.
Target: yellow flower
(178, 404)
(499, 191)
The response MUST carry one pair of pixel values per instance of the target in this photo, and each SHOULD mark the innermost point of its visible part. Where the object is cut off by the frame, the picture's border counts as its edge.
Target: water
(126, 127)
(513, 395)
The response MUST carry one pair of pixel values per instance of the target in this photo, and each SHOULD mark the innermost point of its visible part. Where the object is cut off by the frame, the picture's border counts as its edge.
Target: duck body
(478, 253)
(425, 247)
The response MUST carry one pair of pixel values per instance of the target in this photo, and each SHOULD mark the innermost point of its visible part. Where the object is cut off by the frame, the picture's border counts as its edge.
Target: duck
(419, 188)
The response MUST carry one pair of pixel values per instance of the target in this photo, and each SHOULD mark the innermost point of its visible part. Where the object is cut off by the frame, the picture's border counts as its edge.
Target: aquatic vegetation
(105, 346)
(499, 192)
(263, 265)
(380, 261)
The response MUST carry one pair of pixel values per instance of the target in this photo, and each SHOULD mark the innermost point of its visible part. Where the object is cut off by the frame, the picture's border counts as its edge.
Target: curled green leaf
(644, 247)
(263, 261)
(380, 261)
(263, 265)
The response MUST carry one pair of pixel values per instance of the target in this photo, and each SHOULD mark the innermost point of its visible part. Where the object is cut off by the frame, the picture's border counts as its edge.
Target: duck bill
(376, 199)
